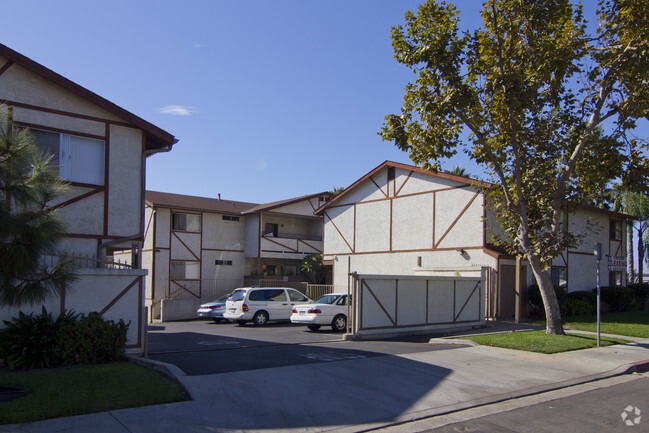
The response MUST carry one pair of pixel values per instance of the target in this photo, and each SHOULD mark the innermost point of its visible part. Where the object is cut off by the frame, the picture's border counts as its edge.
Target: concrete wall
(104, 291)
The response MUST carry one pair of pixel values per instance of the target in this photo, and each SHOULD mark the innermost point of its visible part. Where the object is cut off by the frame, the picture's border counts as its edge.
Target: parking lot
(200, 347)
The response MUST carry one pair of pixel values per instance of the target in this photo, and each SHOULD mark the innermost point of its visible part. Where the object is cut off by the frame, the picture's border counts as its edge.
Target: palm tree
(29, 227)
(458, 171)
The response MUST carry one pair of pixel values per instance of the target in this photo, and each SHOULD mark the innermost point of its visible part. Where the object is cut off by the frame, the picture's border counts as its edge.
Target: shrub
(573, 306)
(641, 294)
(571, 303)
(92, 340)
(618, 298)
(38, 341)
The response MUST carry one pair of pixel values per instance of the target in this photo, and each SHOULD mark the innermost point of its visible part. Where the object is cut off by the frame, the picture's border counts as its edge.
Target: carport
(390, 305)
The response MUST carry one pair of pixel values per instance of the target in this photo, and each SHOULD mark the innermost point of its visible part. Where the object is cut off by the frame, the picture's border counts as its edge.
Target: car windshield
(327, 299)
(223, 298)
(237, 295)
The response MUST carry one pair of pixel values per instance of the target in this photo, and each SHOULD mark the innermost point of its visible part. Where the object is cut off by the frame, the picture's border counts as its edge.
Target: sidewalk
(359, 394)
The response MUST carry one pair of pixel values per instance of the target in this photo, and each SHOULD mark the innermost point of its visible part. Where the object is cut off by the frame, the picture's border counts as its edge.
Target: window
(79, 159)
(223, 262)
(615, 278)
(615, 231)
(230, 218)
(186, 222)
(185, 270)
(297, 296)
(559, 277)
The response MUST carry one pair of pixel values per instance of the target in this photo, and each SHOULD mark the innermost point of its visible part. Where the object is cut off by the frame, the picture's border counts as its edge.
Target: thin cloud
(179, 110)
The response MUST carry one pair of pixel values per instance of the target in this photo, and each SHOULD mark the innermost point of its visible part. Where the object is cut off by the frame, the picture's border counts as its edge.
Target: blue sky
(269, 99)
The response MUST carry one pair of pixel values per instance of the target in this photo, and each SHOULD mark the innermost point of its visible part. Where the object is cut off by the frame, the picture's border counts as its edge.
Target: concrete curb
(495, 399)
(453, 341)
(164, 368)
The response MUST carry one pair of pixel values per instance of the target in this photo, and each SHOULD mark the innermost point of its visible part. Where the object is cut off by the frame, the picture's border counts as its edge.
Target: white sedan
(330, 310)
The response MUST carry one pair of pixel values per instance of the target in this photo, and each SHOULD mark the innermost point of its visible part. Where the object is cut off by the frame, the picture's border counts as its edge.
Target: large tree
(29, 227)
(545, 103)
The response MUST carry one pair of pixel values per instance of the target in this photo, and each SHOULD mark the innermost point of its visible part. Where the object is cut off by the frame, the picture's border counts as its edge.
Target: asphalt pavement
(347, 386)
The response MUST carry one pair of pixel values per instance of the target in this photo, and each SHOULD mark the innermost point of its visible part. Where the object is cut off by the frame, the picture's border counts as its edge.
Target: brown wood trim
(259, 234)
(390, 224)
(459, 179)
(106, 177)
(77, 198)
(309, 245)
(118, 297)
(223, 250)
(184, 288)
(184, 245)
(68, 114)
(403, 184)
(59, 130)
(339, 232)
(434, 217)
(458, 218)
(280, 244)
(433, 191)
(292, 215)
(379, 188)
(6, 66)
(421, 250)
(354, 230)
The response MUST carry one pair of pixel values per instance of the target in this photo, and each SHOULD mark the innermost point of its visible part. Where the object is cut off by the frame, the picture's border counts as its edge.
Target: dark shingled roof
(189, 202)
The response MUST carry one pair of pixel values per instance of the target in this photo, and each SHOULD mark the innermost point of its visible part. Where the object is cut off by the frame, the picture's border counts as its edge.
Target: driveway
(202, 347)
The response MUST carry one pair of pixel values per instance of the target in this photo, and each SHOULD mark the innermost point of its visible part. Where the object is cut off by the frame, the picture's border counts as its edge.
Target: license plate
(301, 312)
(233, 310)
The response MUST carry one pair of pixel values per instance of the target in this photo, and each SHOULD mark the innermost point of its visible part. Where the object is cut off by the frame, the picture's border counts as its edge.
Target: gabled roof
(270, 206)
(156, 138)
(189, 202)
(462, 179)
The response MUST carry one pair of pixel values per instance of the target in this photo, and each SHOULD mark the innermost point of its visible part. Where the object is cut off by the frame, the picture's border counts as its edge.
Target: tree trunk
(629, 253)
(554, 324)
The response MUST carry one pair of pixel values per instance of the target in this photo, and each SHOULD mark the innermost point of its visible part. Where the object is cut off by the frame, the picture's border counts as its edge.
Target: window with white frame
(186, 222)
(181, 270)
(80, 159)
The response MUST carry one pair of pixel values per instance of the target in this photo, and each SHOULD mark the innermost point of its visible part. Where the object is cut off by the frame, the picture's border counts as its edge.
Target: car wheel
(241, 322)
(339, 323)
(313, 327)
(260, 318)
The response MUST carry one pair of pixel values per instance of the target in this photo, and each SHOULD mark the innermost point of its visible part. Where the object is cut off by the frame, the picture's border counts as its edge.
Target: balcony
(290, 245)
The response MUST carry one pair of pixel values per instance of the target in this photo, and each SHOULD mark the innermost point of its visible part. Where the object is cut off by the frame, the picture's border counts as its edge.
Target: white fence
(114, 293)
(385, 304)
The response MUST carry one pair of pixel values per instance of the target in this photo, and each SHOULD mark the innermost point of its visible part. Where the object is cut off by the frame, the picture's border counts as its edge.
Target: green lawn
(539, 341)
(77, 390)
(633, 324)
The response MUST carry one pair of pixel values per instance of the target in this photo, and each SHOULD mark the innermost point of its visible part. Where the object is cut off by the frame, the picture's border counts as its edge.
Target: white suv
(261, 304)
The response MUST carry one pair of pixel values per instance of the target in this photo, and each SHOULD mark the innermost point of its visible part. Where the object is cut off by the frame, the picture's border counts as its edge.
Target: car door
(277, 304)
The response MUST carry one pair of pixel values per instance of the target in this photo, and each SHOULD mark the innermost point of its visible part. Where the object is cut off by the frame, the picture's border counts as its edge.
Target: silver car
(214, 310)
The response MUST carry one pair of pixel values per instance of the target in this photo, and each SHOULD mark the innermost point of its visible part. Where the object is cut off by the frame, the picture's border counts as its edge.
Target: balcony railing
(80, 261)
(298, 236)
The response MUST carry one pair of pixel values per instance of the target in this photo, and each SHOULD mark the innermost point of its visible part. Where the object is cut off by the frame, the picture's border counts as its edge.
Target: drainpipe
(137, 259)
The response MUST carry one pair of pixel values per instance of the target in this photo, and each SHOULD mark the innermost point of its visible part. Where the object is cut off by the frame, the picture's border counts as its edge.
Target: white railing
(81, 261)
